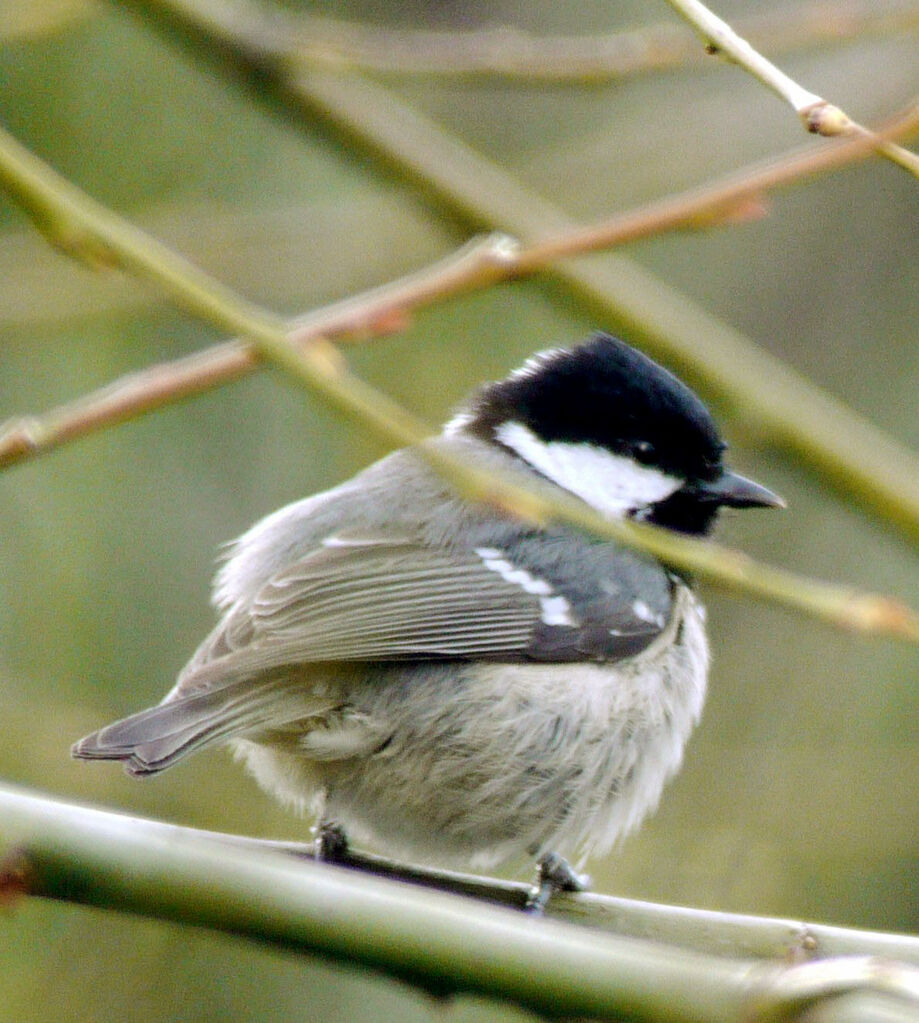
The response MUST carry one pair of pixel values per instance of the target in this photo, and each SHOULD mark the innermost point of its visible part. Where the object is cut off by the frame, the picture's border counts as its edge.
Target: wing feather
(379, 601)
(372, 598)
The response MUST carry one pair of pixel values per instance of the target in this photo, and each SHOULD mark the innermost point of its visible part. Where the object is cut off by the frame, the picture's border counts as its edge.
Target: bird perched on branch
(444, 679)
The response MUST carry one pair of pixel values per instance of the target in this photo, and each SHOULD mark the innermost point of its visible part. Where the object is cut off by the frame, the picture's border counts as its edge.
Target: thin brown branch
(732, 199)
(376, 312)
(775, 402)
(93, 232)
(381, 310)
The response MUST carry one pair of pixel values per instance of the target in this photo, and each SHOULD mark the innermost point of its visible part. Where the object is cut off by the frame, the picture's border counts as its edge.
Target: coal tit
(446, 680)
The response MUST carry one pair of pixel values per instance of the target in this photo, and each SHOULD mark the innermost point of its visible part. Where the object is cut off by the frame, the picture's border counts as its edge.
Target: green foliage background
(798, 796)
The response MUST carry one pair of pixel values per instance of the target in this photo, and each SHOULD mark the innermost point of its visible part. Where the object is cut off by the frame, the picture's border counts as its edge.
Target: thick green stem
(433, 940)
(439, 942)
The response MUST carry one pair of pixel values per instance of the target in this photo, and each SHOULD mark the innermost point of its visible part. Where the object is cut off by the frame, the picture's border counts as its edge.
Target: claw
(331, 845)
(554, 874)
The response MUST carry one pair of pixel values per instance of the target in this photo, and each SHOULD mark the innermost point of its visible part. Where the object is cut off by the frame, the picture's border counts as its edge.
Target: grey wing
(363, 599)
(538, 596)
(544, 597)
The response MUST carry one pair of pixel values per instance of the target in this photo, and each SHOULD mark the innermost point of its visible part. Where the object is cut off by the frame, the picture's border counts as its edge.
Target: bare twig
(515, 53)
(92, 232)
(819, 116)
(375, 312)
(481, 263)
(733, 199)
(510, 52)
(776, 403)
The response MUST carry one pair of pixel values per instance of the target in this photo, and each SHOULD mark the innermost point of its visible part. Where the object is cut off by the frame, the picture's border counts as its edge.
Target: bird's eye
(643, 450)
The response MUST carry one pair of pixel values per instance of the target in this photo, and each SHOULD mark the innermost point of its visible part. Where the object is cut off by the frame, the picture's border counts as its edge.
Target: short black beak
(736, 491)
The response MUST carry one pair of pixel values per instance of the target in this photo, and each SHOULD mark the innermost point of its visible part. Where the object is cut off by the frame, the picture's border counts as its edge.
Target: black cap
(606, 393)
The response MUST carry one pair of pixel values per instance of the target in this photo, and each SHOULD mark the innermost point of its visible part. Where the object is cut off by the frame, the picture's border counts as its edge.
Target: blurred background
(798, 794)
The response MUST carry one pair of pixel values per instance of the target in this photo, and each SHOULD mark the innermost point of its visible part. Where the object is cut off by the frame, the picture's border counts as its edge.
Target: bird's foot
(553, 874)
(331, 843)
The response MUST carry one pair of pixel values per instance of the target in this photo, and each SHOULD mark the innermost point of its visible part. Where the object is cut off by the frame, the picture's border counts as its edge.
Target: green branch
(701, 930)
(773, 401)
(482, 262)
(432, 940)
(89, 231)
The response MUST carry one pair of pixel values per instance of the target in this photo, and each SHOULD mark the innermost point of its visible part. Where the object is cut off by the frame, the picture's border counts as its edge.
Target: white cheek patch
(554, 609)
(612, 484)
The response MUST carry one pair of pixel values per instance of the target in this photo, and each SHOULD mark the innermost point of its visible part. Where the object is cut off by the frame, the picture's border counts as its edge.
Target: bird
(450, 682)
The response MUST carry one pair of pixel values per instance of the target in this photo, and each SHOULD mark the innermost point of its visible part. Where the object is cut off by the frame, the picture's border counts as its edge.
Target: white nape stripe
(534, 365)
(554, 609)
(612, 484)
(459, 422)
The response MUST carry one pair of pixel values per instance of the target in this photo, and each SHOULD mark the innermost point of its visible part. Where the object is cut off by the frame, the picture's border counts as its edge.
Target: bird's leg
(553, 874)
(331, 844)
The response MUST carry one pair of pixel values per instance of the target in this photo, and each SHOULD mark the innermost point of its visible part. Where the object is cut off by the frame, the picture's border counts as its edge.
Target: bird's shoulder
(393, 565)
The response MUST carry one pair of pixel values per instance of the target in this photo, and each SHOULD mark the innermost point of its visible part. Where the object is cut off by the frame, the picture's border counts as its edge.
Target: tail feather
(152, 740)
